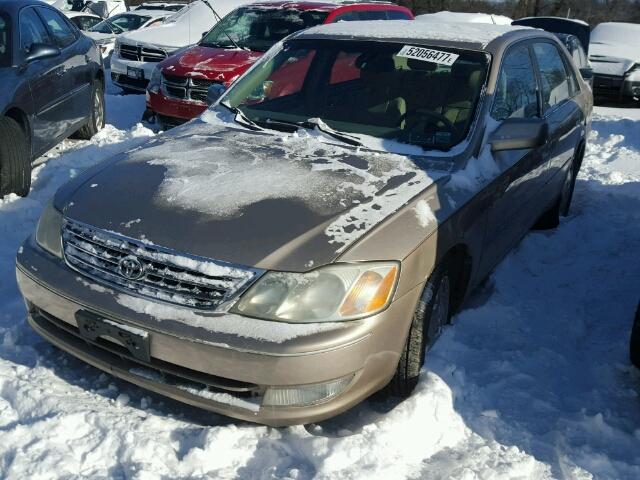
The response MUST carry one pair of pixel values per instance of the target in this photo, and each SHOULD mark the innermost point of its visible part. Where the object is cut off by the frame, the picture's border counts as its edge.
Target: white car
(99, 8)
(136, 54)
(83, 20)
(615, 59)
(106, 32)
(462, 17)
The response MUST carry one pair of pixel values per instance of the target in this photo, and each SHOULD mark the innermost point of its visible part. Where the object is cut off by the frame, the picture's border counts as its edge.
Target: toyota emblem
(131, 268)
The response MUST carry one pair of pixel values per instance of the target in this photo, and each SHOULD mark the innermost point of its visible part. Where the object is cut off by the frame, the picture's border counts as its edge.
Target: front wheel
(96, 119)
(431, 315)
(15, 163)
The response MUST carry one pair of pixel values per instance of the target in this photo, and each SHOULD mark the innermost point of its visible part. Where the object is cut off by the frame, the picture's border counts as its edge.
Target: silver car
(303, 244)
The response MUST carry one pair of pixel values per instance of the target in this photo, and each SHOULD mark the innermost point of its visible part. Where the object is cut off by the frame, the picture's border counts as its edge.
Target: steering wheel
(428, 113)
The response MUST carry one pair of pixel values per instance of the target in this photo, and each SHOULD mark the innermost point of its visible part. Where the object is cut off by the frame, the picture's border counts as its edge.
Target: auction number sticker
(428, 55)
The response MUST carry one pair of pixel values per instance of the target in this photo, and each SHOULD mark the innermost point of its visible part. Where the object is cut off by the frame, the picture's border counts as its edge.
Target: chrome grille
(141, 54)
(164, 275)
(186, 88)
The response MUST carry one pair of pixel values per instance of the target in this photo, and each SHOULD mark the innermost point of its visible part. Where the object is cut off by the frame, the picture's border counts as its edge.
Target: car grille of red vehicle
(186, 88)
(141, 54)
(151, 271)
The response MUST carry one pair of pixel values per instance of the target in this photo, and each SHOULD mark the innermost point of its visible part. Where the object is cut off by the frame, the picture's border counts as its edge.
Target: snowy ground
(532, 381)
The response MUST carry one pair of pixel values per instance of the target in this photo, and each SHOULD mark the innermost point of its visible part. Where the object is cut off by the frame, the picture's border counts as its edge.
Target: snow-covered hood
(219, 64)
(185, 27)
(612, 59)
(276, 201)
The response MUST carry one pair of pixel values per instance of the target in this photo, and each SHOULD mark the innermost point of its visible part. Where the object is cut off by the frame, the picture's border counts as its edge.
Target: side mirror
(587, 73)
(215, 92)
(519, 134)
(203, 34)
(40, 51)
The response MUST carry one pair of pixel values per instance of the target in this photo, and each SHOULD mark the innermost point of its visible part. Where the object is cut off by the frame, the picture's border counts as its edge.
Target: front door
(76, 75)
(515, 192)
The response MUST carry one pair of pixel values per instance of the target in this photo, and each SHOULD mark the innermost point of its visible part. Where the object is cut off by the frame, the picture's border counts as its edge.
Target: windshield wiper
(235, 44)
(241, 118)
(324, 128)
(311, 124)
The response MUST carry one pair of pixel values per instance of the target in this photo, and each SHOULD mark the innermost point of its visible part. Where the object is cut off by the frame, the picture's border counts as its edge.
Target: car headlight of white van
(334, 293)
(49, 231)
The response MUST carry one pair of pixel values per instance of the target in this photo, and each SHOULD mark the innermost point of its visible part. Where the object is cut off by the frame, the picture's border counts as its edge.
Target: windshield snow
(259, 28)
(424, 96)
(5, 53)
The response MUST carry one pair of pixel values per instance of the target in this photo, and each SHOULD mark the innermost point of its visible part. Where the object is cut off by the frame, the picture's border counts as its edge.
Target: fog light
(301, 395)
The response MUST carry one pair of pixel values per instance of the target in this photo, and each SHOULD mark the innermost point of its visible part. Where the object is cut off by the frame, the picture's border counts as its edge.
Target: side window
(32, 30)
(397, 15)
(553, 75)
(60, 30)
(516, 91)
(347, 17)
(372, 15)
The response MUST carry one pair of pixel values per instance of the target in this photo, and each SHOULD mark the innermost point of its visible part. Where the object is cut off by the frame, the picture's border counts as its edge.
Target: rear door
(76, 73)
(45, 82)
(567, 122)
(515, 193)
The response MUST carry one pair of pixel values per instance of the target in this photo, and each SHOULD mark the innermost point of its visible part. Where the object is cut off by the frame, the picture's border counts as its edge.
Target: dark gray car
(51, 86)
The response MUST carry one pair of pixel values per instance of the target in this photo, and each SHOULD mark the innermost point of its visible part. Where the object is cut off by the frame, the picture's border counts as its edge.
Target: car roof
(474, 36)
(323, 5)
(15, 5)
(148, 13)
(72, 14)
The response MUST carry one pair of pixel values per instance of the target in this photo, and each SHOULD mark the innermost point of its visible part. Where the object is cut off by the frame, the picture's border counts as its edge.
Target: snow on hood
(462, 32)
(184, 27)
(613, 49)
(265, 199)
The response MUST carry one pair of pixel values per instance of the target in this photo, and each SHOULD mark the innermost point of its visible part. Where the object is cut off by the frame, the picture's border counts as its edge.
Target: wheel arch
(459, 261)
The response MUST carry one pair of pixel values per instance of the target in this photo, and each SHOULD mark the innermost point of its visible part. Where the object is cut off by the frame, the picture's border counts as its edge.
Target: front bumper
(173, 110)
(237, 370)
(616, 87)
(120, 69)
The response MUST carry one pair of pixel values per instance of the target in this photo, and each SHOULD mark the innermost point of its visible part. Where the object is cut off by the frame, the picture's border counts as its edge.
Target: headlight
(49, 232)
(116, 48)
(329, 294)
(155, 80)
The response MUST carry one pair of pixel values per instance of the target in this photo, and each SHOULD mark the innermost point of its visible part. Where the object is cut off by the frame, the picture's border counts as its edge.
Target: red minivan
(178, 88)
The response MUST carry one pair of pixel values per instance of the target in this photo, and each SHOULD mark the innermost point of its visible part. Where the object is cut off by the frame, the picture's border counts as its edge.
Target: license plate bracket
(136, 341)
(136, 73)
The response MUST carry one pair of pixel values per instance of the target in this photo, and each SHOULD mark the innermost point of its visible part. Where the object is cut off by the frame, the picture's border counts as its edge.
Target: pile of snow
(532, 380)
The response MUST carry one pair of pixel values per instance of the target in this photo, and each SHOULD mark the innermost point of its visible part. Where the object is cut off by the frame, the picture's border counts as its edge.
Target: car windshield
(120, 24)
(259, 28)
(425, 96)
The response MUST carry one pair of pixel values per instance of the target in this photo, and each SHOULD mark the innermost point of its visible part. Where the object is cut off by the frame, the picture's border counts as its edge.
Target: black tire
(15, 164)
(96, 119)
(634, 345)
(423, 332)
(551, 218)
